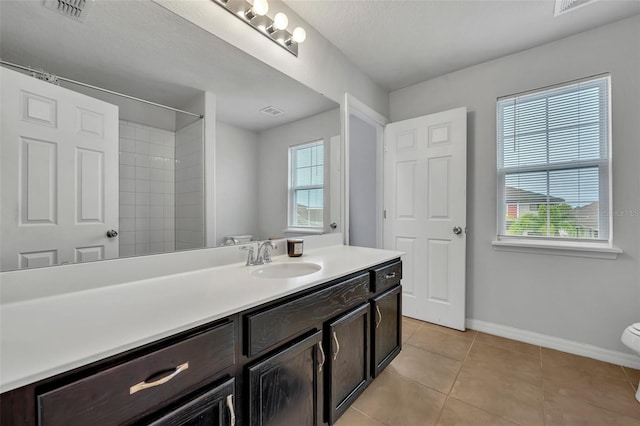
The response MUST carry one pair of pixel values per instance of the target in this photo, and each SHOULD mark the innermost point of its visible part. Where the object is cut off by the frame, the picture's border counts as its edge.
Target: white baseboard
(564, 345)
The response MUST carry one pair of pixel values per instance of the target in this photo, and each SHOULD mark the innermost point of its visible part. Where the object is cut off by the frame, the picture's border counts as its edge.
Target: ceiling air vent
(563, 6)
(271, 111)
(75, 9)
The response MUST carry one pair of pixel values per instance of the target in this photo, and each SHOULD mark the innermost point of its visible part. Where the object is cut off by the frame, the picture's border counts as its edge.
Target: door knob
(333, 225)
(112, 233)
(457, 230)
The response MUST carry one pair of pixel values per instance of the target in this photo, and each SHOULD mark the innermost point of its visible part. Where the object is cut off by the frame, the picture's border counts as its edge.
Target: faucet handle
(250, 256)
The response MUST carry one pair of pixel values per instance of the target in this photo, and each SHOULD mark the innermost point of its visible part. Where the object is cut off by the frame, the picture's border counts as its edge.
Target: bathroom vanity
(218, 346)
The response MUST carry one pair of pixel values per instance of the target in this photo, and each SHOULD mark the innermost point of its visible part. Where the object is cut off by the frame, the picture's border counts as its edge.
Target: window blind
(553, 162)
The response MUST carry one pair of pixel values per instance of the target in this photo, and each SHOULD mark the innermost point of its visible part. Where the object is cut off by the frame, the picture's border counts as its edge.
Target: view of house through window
(306, 188)
(553, 162)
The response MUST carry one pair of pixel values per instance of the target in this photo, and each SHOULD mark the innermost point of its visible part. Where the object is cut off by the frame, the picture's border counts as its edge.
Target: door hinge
(384, 148)
(384, 214)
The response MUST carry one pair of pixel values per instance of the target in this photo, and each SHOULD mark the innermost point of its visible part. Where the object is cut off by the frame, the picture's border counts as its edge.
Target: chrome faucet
(266, 252)
(260, 256)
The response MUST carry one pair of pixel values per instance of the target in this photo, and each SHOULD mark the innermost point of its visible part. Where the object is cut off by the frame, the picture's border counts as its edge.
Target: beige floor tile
(458, 413)
(409, 326)
(633, 375)
(564, 411)
(426, 368)
(503, 362)
(602, 390)
(512, 345)
(502, 395)
(445, 344)
(468, 333)
(353, 417)
(396, 401)
(553, 360)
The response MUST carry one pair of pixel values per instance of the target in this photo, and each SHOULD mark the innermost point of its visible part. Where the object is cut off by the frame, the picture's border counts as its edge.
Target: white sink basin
(286, 270)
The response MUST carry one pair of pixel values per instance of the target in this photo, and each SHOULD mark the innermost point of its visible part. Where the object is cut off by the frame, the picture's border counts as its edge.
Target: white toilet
(631, 338)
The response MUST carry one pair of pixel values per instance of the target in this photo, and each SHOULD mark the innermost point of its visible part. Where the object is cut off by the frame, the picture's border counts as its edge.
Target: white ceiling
(402, 42)
(141, 49)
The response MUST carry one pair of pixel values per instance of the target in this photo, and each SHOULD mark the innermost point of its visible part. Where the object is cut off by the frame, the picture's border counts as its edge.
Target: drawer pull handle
(335, 338)
(389, 276)
(232, 412)
(144, 385)
(379, 316)
(323, 357)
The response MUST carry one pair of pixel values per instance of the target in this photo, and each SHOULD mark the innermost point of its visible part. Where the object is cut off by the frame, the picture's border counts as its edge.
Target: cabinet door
(387, 328)
(215, 407)
(348, 362)
(285, 388)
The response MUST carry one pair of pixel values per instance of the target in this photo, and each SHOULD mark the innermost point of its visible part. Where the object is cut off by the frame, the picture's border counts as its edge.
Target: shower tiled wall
(147, 189)
(190, 187)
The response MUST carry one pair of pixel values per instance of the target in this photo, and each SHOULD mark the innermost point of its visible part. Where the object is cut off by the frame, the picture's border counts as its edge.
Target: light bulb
(260, 7)
(299, 35)
(280, 21)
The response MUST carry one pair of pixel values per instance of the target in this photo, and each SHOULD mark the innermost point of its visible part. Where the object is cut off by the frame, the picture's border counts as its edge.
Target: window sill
(590, 250)
(303, 231)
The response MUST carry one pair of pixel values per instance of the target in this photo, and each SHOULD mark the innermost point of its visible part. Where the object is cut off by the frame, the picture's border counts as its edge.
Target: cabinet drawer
(146, 383)
(274, 325)
(386, 276)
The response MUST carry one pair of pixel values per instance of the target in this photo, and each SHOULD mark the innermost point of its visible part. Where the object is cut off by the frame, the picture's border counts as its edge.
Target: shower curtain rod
(79, 83)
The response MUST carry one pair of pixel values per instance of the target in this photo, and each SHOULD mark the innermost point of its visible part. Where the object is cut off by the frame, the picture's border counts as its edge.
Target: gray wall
(273, 152)
(585, 300)
(236, 181)
(362, 183)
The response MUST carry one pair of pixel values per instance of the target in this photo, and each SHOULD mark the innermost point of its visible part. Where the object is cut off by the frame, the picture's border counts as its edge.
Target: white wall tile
(128, 212)
(127, 237)
(127, 158)
(127, 145)
(142, 224)
(143, 186)
(142, 211)
(142, 160)
(127, 224)
(127, 172)
(127, 198)
(156, 199)
(156, 223)
(142, 198)
(127, 250)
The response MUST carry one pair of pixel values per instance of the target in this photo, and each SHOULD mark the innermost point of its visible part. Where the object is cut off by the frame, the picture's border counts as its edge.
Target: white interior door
(59, 174)
(425, 202)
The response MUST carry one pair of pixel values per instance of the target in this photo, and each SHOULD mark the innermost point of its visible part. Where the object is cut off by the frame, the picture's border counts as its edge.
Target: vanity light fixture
(254, 14)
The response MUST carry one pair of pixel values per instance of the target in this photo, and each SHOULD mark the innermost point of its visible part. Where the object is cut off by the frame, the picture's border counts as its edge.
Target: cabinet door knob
(379, 317)
(323, 357)
(335, 339)
(232, 412)
(145, 385)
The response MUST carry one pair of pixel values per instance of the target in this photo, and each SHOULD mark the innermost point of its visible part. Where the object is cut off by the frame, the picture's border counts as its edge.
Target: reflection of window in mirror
(306, 185)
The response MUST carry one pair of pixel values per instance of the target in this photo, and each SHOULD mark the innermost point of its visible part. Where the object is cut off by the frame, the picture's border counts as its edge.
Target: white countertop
(42, 337)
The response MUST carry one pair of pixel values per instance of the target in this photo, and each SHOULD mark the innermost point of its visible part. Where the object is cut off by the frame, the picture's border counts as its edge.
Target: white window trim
(297, 229)
(560, 248)
(603, 249)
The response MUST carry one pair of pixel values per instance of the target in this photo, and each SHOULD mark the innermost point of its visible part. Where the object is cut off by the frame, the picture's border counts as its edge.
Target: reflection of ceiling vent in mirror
(563, 6)
(75, 9)
(271, 111)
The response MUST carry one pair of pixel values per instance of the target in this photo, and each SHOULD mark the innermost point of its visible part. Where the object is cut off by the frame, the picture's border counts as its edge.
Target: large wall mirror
(78, 162)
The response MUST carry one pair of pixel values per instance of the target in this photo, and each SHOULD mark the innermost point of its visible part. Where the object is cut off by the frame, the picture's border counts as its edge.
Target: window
(306, 185)
(553, 163)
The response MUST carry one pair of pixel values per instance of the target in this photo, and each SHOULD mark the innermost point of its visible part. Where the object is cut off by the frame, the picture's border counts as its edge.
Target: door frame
(353, 106)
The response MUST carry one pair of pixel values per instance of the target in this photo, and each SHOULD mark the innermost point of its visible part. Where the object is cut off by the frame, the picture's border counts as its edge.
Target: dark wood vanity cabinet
(301, 360)
(213, 407)
(286, 388)
(347, 337)
(386, 335)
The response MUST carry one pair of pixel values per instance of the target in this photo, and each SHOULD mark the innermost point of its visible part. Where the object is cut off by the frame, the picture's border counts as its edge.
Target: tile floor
(447, 377)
